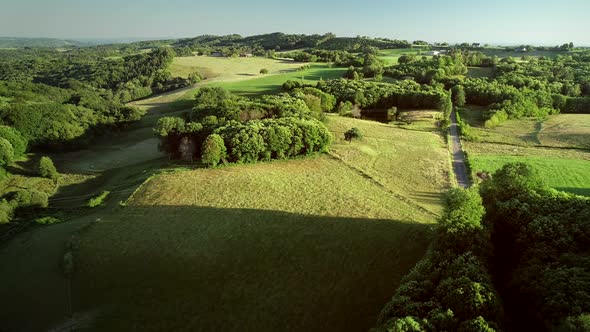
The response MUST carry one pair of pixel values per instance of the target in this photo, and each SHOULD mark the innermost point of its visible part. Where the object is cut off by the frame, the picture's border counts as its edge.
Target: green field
(391, 56)
(557, 145)
(571, 175)
(270, 84)
(268, 246)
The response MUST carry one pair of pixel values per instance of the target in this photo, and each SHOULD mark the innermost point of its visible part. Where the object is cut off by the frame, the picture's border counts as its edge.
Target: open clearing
(559, 147)
(391, 56)
(229, 69)
(267, 246)
(272, 83)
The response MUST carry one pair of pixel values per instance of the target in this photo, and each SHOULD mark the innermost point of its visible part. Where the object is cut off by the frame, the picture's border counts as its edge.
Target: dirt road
(459, 165)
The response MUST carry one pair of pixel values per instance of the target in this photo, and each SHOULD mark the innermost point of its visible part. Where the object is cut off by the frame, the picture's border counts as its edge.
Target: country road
(459, 165)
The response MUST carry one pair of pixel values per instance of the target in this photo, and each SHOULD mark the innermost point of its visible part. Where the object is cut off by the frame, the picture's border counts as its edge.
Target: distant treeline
(285, 42)
(512, 256)
(64, 99)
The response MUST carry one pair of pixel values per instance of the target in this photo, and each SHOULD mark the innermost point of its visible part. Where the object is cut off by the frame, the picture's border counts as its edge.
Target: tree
(18, 141)
(47, 169)
(194, 77)
(263, 71)
(352, 133)
(6, 152)
(458, 95)
(6, 212)
(213, 150)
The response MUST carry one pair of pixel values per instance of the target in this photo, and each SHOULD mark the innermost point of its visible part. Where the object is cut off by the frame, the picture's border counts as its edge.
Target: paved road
(459, 166)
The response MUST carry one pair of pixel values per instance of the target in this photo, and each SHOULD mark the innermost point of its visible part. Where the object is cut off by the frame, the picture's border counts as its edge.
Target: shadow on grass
(156, 268)
(577, 191)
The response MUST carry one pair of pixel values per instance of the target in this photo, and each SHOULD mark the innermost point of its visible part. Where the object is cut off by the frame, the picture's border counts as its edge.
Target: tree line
(226, 128)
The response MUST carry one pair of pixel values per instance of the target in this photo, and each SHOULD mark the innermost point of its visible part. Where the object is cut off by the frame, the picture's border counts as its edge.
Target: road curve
(459, 165)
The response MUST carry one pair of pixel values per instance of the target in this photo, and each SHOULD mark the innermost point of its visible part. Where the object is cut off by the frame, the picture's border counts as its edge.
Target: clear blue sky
(495, 21)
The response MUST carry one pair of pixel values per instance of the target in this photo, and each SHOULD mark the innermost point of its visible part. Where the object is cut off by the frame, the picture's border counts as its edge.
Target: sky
(538, 22)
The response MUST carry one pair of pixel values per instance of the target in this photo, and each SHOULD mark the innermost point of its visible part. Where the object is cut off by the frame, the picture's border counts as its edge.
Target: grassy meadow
(272, 83)
(391, 56)
(242, 75)
(559, 147)
(268, 246)
(229, 69)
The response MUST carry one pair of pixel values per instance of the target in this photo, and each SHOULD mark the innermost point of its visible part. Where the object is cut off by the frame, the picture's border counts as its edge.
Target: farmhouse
(433, 53)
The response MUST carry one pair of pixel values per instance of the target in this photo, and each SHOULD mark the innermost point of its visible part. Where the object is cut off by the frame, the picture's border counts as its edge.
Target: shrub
(352, 133)
(47, 220)
(194, 78)
(213, 150)
(345, 108)
(6, 152)
(6, 212)
(263, 71)
(47, 169)
(29, 198)
(18, 141)
(98, 200)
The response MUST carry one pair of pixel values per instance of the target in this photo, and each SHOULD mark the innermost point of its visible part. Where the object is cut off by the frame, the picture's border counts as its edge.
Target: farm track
(459, 164)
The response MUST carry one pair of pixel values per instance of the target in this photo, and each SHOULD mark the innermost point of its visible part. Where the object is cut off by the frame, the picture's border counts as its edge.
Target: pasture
(272, 83)
(557, 145)
(268, 246)
(229, 69)
(390, 56)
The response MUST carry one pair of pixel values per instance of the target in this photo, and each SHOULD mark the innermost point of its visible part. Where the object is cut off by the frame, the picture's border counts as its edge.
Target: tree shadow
(202, 268)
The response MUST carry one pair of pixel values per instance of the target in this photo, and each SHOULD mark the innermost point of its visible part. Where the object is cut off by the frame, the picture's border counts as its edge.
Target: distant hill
(17, 42)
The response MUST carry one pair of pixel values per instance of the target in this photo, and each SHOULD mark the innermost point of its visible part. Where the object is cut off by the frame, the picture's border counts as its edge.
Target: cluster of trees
(451, 288)
(337, 57)
(512, 254)
(55, 117)
(27, 199)
(263, 140)
(370, 66)
(367, 95)
(272, 127)
(123, 77)
(540, 241)
(425, 71)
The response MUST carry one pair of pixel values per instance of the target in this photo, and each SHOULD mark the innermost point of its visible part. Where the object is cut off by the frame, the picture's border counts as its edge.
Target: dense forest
(512, 254)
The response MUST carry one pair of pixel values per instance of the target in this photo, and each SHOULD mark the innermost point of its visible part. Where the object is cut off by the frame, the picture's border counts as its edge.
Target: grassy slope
(307, 244)
(558, 146)
(411, 162)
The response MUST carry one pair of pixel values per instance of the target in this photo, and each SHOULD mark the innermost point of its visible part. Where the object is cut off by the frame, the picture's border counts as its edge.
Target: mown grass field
(308, 244)
(558, 146)
(229, 69)
(571, 175)
(270, 84)
(411, 161)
